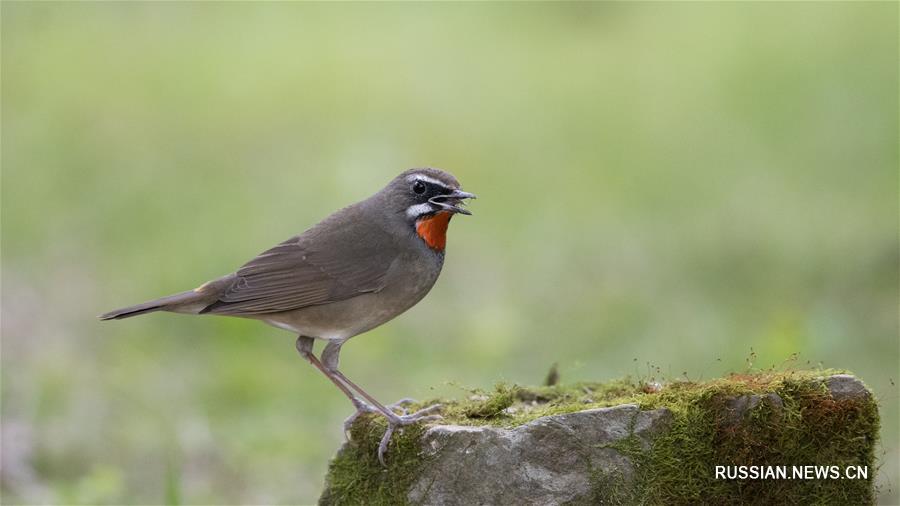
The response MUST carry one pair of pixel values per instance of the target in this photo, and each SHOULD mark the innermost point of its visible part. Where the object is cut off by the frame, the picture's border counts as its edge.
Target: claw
(382, 446)
(421, 416)
(399, 405)
(361, 408)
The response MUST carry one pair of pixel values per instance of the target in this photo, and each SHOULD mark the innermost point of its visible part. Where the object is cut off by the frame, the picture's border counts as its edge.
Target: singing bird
(355, 270)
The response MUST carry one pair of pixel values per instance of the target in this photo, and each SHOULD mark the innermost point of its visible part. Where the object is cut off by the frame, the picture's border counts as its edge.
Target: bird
(355, 270)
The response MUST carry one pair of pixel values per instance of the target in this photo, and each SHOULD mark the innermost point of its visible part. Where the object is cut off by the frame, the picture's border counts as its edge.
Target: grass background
(665, 184)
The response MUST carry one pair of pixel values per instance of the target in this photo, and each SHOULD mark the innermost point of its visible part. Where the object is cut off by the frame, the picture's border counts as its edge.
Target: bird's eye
(419, 187)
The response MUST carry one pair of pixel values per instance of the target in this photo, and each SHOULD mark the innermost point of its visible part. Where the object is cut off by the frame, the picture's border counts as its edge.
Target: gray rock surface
(845, 386)
(739, 407)
(558, 459)
(551, 460)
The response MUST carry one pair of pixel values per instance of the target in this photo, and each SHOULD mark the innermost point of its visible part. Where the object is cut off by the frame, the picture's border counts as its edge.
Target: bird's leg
(305, 347)
(330, 358)
(330, 362)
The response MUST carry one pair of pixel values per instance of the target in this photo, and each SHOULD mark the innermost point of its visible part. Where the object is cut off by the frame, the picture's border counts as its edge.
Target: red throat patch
(433, 230)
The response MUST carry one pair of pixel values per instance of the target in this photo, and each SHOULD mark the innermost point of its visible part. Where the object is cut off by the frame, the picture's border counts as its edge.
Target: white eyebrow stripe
(422, 177)
(417, 210)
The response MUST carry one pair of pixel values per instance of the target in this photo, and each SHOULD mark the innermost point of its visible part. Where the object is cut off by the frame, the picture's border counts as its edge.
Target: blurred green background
(671, 184)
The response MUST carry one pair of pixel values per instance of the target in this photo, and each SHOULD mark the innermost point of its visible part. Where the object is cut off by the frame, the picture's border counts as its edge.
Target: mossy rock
(626, 442)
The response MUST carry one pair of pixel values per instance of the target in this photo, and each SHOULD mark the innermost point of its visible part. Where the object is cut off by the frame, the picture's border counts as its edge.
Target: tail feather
(180, 301)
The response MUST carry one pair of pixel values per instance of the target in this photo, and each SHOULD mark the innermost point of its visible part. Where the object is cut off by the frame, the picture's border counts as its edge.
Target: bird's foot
(401, 405)
(400, 421)
(362, 408)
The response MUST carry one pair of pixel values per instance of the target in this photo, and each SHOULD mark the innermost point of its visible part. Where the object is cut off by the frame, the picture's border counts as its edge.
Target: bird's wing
(335, 260)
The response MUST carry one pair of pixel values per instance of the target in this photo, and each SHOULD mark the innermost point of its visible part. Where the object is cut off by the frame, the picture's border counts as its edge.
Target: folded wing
(325, 264)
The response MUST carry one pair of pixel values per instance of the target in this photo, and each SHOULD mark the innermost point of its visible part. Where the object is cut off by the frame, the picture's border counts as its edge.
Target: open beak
(453, 201)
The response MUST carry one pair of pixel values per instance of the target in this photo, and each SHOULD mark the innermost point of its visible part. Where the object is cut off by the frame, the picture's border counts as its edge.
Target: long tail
(179, 302)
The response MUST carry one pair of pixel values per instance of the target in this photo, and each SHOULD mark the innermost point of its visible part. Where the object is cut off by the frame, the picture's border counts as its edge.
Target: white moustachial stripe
(418, 210)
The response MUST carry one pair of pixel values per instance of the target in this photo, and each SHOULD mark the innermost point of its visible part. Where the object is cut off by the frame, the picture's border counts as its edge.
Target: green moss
(491, 405)
(355, 476)
(804, 425)
(510, 406)
(808, 428)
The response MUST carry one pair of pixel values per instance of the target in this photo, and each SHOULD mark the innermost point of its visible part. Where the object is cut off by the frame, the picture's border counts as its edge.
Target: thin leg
(330, 357)
(388, 413)
(305, 347)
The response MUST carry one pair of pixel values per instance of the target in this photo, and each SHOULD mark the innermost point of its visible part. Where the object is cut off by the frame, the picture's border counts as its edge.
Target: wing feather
(337, 259)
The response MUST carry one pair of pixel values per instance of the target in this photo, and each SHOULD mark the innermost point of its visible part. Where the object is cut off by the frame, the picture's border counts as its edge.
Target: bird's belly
(336, 320)
(344, 319)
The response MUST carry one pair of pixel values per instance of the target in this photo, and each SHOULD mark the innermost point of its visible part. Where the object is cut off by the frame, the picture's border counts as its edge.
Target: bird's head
(426, 199)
